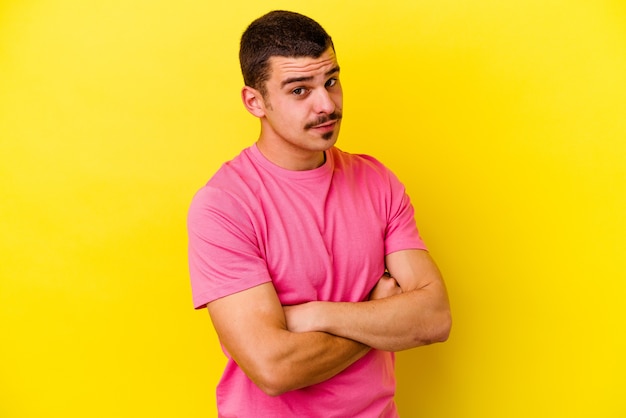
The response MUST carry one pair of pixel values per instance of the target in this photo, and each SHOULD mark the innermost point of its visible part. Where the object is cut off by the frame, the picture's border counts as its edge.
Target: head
(278, 34)
(292, 85)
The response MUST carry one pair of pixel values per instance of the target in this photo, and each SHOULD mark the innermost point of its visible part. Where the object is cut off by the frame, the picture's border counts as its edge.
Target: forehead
(283, 68)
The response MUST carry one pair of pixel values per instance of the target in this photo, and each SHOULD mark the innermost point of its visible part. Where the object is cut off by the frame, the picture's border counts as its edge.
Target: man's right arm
(251, 326)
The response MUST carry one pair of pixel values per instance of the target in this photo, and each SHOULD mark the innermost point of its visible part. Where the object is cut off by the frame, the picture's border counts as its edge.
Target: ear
(253, 101)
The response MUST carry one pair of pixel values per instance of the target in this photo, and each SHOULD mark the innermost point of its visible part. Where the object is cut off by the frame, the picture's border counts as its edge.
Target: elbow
(271, 388)
(442, 327)
(438, 329)
(273, 392)
(271, 381)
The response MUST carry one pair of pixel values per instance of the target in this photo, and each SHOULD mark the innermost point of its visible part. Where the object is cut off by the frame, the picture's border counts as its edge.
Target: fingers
(386, 287)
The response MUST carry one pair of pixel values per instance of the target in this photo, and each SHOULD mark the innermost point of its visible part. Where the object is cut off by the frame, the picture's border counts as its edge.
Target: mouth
(325, 123)
(326, 130)
(324, 126)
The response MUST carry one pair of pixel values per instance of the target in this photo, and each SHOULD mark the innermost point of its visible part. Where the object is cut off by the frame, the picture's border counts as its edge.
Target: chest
(323, 241)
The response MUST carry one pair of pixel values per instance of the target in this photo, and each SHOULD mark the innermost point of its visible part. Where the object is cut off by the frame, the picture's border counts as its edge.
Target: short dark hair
(278, 33)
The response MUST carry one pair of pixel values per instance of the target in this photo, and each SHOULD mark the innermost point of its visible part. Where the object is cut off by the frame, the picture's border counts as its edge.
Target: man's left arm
(417, 316)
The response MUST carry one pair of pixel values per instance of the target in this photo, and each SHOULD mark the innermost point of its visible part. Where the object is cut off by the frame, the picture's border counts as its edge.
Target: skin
(417, 314)
(282, 348)
(300, 115)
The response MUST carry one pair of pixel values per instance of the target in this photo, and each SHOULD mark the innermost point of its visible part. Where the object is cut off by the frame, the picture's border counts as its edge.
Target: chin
(329, 141)
(331, 136)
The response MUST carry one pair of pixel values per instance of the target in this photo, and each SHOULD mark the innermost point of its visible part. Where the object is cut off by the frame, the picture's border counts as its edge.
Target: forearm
(297, 360)
(251, 326)
(410, 319)
(390, 324)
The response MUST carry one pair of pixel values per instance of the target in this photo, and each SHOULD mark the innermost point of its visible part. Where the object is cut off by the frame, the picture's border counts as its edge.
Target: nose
(324, 103)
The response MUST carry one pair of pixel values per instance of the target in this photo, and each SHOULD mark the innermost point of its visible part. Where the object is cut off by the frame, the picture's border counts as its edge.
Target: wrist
(328, 316)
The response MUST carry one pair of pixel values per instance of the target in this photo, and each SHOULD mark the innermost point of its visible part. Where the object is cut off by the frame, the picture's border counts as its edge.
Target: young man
(307, 257)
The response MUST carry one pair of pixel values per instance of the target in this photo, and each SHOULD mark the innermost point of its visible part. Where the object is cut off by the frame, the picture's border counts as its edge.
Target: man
(307, 257)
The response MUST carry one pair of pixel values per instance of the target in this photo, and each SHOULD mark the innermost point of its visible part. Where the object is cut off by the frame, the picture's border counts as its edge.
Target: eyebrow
(333, 70)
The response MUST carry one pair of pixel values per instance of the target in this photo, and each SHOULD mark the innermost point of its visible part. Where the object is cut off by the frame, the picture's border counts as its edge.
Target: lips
(325, 121)
(325, 128)
(326, 125)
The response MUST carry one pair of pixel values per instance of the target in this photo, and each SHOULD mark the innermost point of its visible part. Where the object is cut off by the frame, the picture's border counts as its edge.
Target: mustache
(337, 115)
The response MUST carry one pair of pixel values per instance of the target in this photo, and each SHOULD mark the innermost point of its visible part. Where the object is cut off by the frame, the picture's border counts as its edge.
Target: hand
(386, 286)
(306, 316)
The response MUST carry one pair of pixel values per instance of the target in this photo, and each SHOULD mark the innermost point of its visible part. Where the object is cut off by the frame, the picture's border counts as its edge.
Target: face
(301, 111)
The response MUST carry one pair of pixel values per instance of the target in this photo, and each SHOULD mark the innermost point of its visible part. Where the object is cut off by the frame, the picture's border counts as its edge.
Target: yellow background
(505, 119)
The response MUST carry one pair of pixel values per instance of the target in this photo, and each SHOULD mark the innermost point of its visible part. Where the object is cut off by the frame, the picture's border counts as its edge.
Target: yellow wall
(505, 119)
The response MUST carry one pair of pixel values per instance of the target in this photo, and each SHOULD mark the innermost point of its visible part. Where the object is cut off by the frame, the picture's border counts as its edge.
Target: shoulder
(235, 172)
(344, 159)
(362, 165)
(227, 193)
(236, 178)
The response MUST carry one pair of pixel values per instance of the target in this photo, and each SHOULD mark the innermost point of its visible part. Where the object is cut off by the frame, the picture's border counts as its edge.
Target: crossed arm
(286, 348)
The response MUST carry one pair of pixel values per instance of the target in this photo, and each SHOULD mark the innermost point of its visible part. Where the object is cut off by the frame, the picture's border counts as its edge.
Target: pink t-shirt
(320, 234)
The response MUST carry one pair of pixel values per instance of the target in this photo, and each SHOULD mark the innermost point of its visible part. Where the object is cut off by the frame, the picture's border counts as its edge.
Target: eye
(331, 82)
(300, 91)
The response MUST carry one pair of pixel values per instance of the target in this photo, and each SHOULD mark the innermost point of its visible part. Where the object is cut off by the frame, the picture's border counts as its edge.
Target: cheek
(338, 99)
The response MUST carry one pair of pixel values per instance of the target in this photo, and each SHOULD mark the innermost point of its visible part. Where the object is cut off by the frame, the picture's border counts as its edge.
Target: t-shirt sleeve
(224, 255)
(402, 232)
